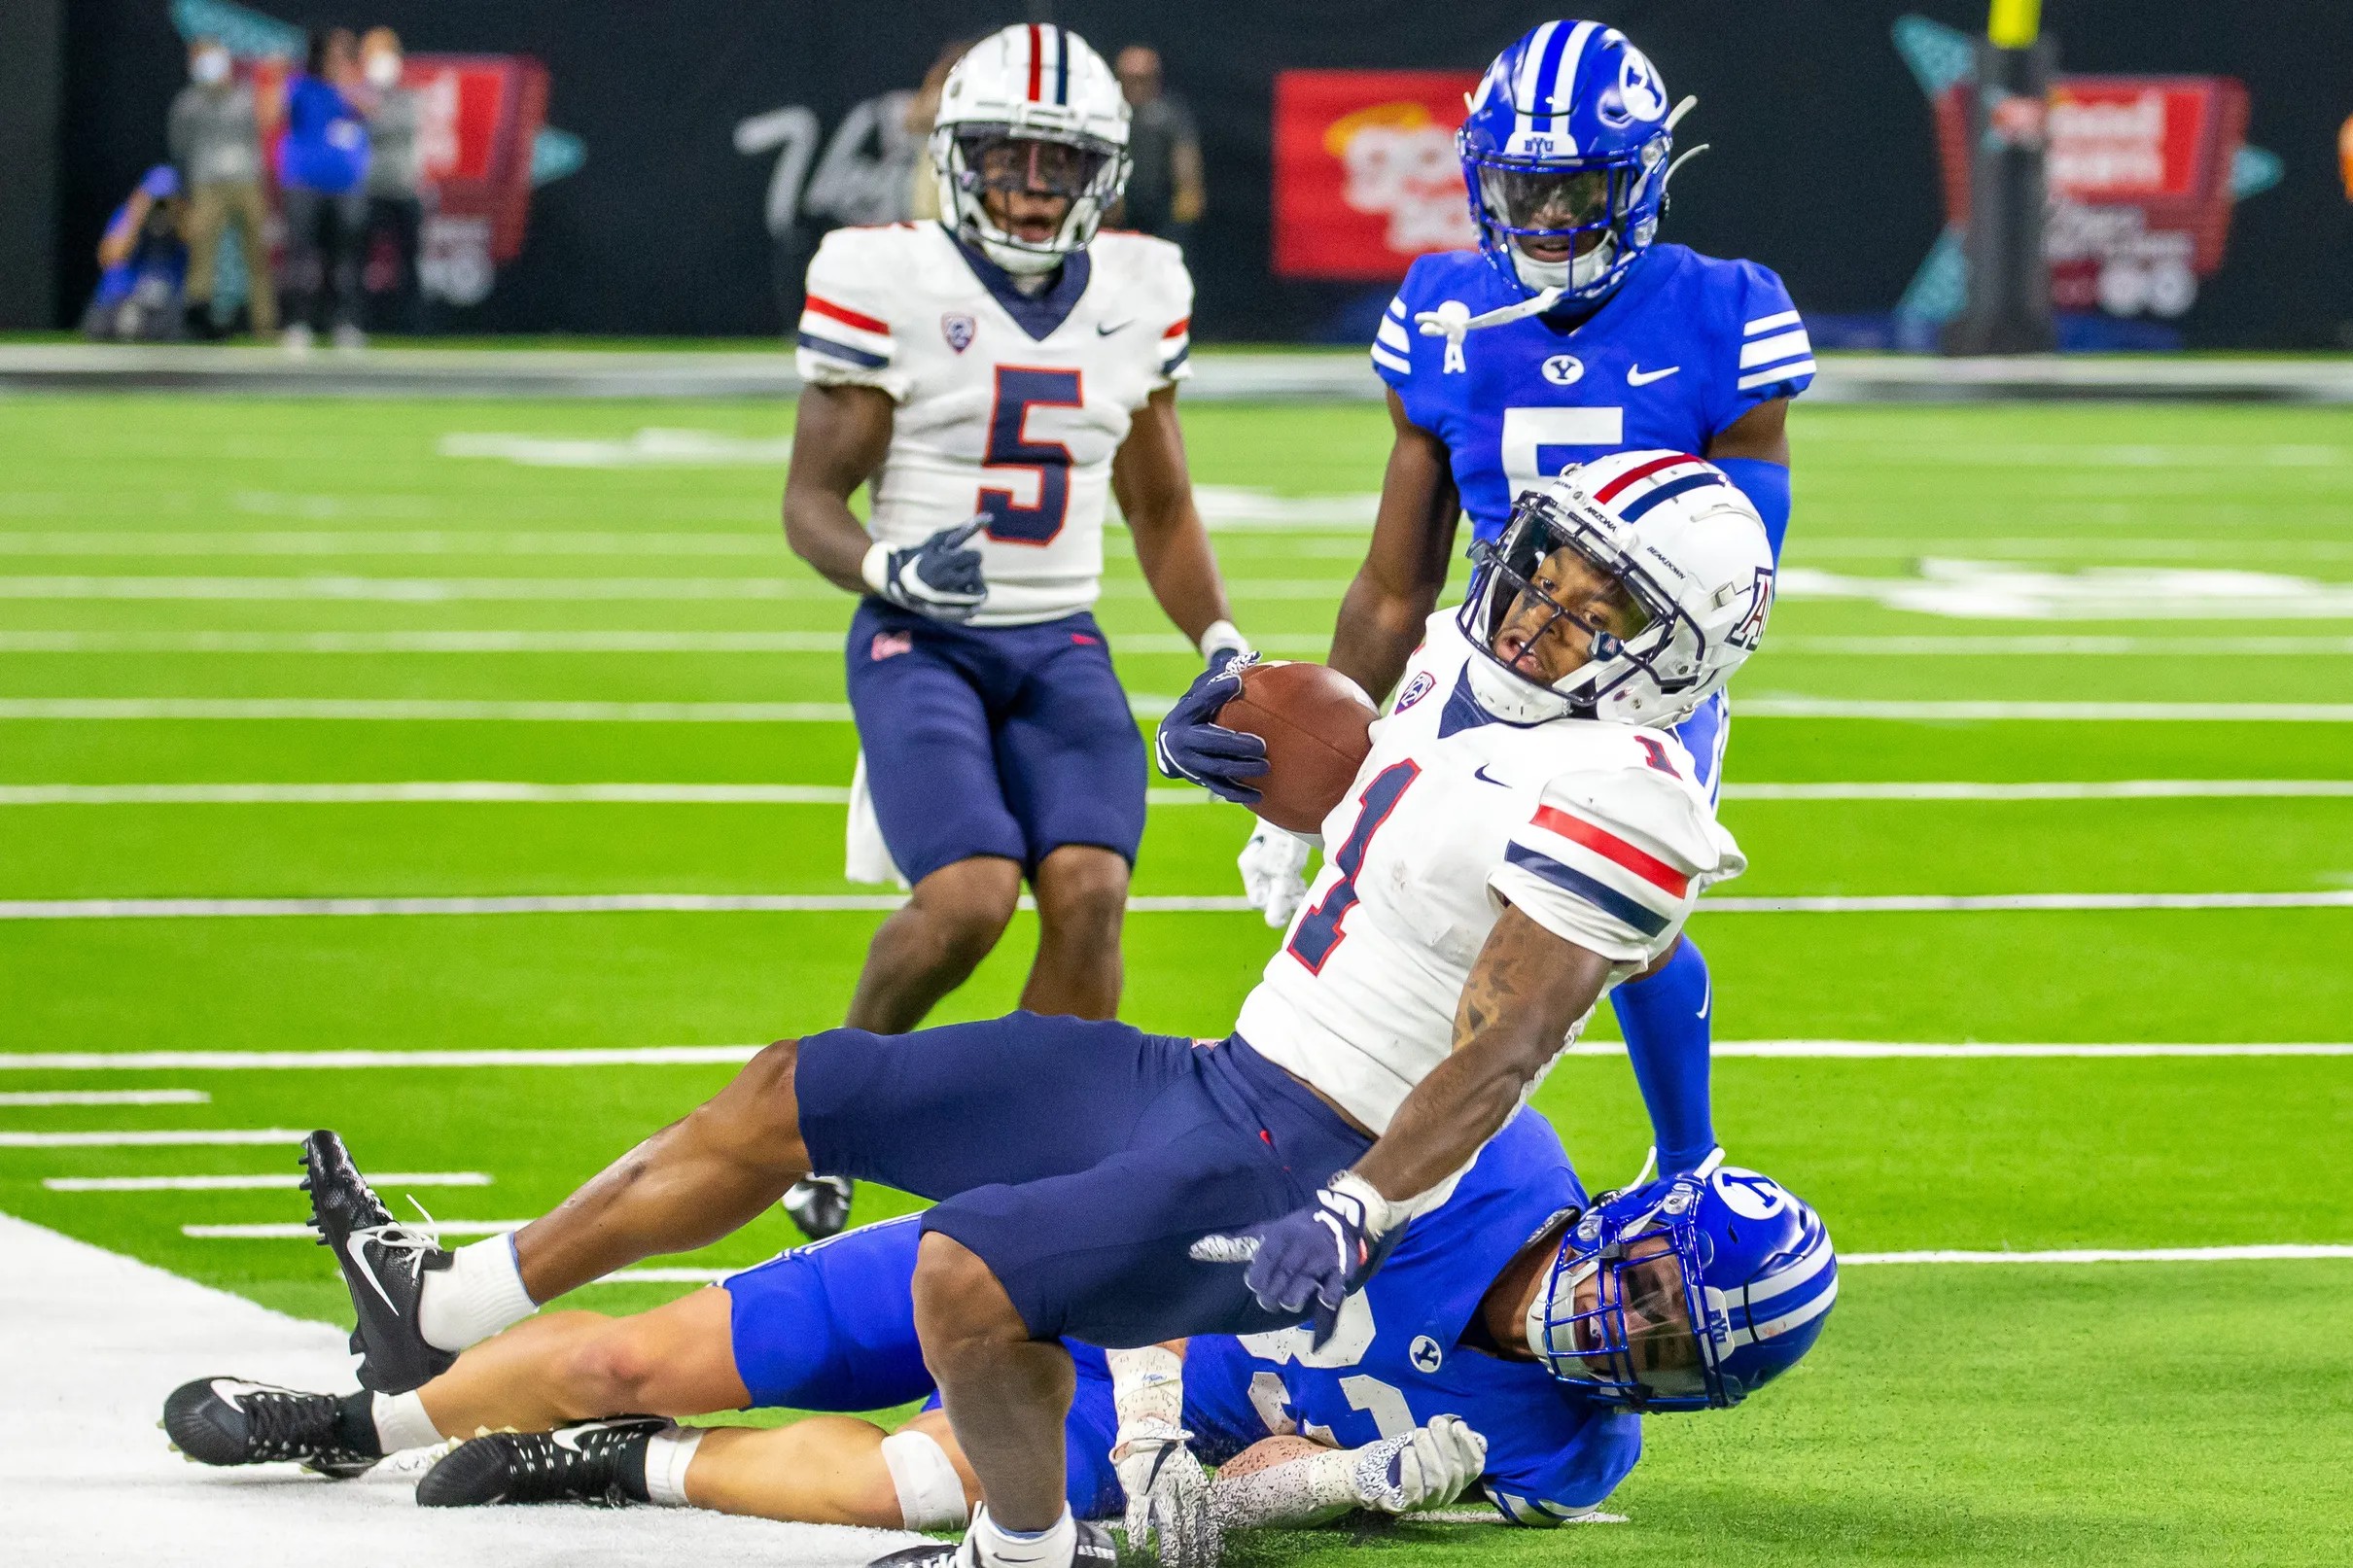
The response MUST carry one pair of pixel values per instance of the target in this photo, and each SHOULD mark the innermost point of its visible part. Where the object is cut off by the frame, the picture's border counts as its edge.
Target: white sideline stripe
(2281, 713)
(1977, 903)
(76, 909)
(535, 641)
(105, 1097)
(297, 1231)
(538, 590)
(71, 909)
(464, 790)
(654, 1055)
(234, 1184)
(2248, 1254)
(2087, 789)
(163, 1138)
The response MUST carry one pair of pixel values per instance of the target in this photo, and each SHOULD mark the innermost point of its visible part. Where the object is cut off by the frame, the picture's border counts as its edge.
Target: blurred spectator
(396, 210)
(1164, 191)
(323, 182)
(216, 140)
(921, 113)
(142, 261)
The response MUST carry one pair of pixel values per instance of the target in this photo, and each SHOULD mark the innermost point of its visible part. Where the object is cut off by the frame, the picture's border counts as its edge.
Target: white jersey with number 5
(1009, 404)
(1595, 832)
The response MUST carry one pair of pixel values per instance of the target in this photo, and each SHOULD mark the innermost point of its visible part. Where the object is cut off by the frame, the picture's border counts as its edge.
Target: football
(1315, 722)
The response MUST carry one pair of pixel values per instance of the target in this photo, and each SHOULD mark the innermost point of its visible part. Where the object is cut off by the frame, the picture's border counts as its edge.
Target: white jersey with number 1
(1596, 831)
(1009, 404)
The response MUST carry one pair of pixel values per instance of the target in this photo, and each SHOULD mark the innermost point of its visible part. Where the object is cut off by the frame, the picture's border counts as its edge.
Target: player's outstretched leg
(229, 1421)
(384, 1266)
(601, 1461)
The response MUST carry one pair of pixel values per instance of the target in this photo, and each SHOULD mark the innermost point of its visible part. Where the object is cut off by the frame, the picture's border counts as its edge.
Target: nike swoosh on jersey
(1101, 331)
(1637, 376)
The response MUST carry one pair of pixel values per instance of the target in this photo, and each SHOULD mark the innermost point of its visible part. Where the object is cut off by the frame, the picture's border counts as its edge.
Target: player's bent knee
(959, 1305)
(613, 1371)
(760, 1109)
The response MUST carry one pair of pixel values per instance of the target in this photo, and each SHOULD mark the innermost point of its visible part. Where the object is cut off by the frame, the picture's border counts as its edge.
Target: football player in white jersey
(1522, 835)
(995, 378)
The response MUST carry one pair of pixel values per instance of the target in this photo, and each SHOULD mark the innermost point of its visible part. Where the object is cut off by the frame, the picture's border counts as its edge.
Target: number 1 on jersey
(1319, 933)
(1018, 390)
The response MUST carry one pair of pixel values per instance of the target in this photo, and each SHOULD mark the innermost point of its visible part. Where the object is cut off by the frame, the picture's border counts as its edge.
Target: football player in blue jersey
(1511, 1344)
(1570, 333)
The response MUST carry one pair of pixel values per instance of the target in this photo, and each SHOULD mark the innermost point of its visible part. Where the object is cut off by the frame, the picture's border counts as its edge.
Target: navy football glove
(940, 577)
(1190, 744)
(1309, 1260)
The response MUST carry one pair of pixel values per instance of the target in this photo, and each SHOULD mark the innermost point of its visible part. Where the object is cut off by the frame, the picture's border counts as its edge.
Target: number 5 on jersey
(1319, 932)
(1018, 390)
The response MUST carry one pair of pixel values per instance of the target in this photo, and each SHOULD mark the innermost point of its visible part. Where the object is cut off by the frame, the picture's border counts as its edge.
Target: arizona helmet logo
(959, 330)
(1751, 630)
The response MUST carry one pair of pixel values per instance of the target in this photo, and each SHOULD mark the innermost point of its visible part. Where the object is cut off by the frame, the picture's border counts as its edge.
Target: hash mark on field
(256, 1183)
(106, 1096)
(297, 1231)
(158, 1138)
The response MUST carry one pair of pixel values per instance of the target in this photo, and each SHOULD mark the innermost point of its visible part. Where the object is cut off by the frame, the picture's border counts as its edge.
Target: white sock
(998, 1548)
(401, 1422)
(478, 1294)
(666, 1460)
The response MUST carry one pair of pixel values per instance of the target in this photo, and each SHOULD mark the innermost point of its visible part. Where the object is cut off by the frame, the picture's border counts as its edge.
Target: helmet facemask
(1615, 1315)
(974, 158)
(1590, 206)
(1534, 591)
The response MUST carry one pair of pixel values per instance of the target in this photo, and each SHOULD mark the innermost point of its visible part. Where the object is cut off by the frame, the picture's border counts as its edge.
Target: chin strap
(1453, 321)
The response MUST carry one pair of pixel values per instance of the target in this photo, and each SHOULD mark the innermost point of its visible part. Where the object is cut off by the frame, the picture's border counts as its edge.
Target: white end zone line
(155, 1139)
(88, 909)
(104, 1096)
(660, 1056)
(237, 1184)
(504, 791)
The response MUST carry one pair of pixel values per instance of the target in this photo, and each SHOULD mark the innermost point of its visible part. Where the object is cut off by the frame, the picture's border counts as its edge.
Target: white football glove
(1167, 1510)
(1427, 1468)
(1274, 872)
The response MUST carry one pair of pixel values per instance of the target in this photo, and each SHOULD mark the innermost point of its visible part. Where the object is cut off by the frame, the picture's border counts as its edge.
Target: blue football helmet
(1729, 1251)
(1566, 148)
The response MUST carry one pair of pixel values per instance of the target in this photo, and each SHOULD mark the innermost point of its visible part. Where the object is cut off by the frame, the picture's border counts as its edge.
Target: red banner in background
(478, 116)
(1365, 173)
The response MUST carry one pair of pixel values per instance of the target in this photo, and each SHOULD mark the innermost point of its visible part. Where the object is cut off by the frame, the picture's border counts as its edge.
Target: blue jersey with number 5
(1406, 1351)
(1684, 348)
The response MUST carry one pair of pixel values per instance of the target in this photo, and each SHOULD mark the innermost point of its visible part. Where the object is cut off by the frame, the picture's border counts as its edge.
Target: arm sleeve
(1176, 320)
(1568, 1477)
(1614, 860)
(1774, 358)
(845, 338)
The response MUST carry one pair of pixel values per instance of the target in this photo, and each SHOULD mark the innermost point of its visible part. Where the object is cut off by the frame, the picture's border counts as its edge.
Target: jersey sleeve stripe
(1395, 336)
(1396, 305)
(1791, 344)
(827, 308)
(1643, 471)
(1183, 327)
(843, 351)
(1651, 869)
(1779, 373)
(1593, 891)
(1767, 324)
(1391, 362)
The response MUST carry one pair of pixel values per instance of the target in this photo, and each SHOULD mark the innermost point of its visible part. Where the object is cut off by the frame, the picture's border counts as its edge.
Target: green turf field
(2188, 570)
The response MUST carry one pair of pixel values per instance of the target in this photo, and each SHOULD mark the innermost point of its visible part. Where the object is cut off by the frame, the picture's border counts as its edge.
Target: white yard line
(2279, 713)
(350, 589)
(237, 1184)
(656, 1056)
(2169, 647)
(155, 1139)
(2284, 1251)
(104, 1096)
(478, 790)
(2039, 790)
(297, 1231)
(91, 1342)
(81, 909)
(827, 643)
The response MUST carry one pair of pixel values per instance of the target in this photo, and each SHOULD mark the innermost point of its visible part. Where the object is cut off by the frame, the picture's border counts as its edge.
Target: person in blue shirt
(1441, 1375)
(1570, 333)
(323, 182)
(142, 263)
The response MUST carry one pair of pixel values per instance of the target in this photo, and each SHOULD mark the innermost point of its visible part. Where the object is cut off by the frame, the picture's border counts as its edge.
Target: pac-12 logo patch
(959, 330)
(1414, 690)
(1564, 369)
(890, 645)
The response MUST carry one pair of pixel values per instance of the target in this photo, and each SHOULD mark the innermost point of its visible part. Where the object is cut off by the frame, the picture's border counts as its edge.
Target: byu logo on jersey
(1424, 1354)
(959, 330)
(1564, 369)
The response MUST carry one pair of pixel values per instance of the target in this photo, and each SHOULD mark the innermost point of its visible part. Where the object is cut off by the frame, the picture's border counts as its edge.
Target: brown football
(1315, 721)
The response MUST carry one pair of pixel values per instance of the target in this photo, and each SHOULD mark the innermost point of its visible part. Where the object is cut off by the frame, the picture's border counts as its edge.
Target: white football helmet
(1033, 82)
(1690, 553)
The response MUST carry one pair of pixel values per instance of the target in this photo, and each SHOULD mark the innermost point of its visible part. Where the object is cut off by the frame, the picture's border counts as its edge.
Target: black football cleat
(600, 1462)
(384, 1264)
(229, 1421)
(1094, 1550)
(819, 1206)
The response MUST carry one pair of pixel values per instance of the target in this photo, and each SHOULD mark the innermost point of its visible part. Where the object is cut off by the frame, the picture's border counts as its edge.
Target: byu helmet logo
(1639, 90)
(1748, 1194)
